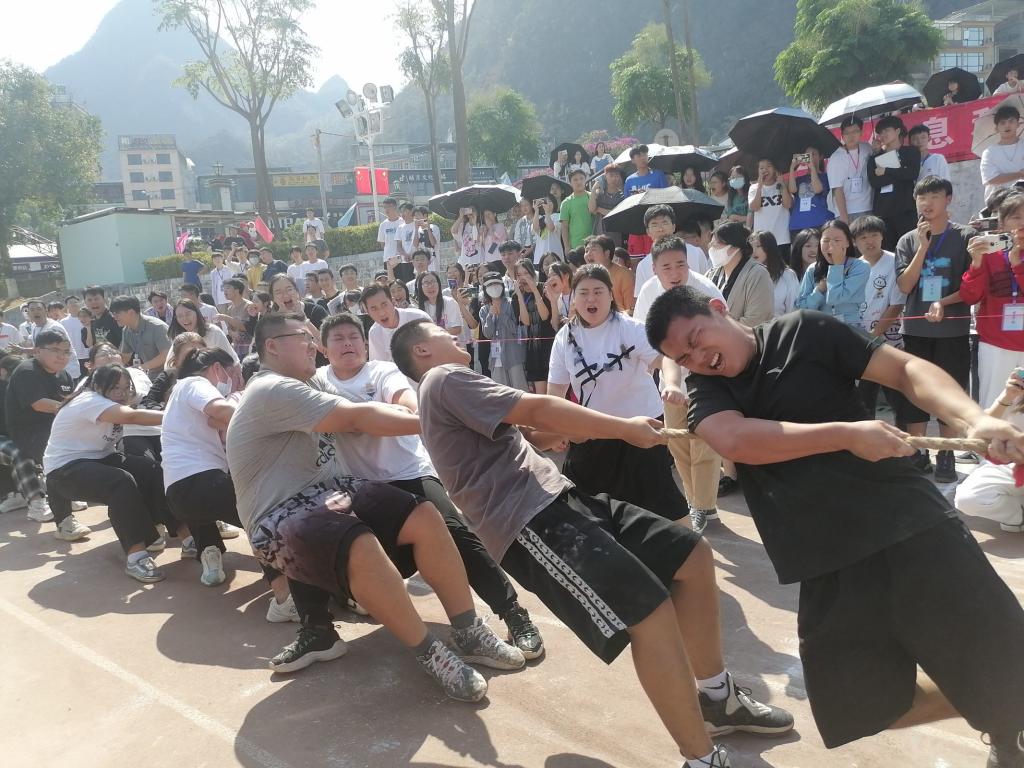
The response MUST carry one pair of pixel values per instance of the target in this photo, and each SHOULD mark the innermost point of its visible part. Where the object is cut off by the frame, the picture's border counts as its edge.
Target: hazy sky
(42, 32)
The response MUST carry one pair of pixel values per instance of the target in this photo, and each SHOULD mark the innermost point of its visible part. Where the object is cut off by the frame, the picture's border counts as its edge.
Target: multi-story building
(980, 36)
(156, 174)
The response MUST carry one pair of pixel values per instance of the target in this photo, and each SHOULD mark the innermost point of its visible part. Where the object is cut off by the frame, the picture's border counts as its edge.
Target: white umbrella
(871, 101)
(985, 135)
(652, 151)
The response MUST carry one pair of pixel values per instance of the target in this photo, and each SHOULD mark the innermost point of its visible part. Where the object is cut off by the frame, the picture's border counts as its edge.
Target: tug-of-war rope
(977, 445)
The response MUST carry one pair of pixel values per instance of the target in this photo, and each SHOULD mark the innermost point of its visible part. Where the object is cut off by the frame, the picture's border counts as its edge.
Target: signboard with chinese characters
(295, 180)
(951, 128)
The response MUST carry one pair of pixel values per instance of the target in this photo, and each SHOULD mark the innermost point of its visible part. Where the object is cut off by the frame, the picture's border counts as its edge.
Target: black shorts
(640, 476)
(307, 537)
(599, 565)
(204, 497)
(931, 600)
(952, 354)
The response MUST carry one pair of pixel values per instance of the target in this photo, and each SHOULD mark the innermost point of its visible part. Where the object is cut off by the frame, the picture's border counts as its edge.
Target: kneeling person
(331, 533)
(612, 572)
(403, 462)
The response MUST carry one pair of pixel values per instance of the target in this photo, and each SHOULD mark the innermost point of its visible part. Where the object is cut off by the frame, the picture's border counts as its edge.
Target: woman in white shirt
(468, 235)
(604, 355)
(442, 309)
(494, 234)
(188, 318)
(784, 280)
(546, 227)
(579, 164)
(199, 490)
(83, 460)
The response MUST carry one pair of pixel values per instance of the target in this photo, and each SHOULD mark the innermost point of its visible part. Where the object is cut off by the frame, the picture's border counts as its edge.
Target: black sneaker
(699, 518)
(922, 462)
(739, 711)
(313, 644)
(967, 457)
(719, 759)
(727, 485)
(1006, 754)
(945, 468)
(523, 633)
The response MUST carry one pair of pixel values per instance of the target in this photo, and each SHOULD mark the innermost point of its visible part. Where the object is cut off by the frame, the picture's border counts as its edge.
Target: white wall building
(156, 174)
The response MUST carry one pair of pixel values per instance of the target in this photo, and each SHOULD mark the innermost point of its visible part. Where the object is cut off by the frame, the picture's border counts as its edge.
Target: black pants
(868, 391)
(485, 576)
(144, 445)
(896, 226)
(132, 487)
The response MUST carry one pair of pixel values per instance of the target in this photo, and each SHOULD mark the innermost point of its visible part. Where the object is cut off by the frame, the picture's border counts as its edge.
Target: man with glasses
(331, 533)
(36, 390)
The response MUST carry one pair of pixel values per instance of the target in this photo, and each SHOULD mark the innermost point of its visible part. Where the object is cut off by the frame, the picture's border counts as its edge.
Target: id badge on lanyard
(931, 287)
(1013, 313)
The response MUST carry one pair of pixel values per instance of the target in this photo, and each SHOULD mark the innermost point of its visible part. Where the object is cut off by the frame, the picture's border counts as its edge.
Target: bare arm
(122, 414)
(219, 412)
(551, 414)
(885, 321)
(45, 405)
(369, 418)
(407, 399)
(157, 363)
(839, 196)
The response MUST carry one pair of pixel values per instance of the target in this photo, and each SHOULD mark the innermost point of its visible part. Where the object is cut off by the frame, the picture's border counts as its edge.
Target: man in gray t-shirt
(142, 336)
(308, 520)
(605, 568)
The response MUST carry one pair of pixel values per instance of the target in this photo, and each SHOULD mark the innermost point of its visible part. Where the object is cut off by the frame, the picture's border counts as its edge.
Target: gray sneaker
(459, 680)
(70, 529)
(719, 759)
(479, 645)
(144, 570)
(189, 550)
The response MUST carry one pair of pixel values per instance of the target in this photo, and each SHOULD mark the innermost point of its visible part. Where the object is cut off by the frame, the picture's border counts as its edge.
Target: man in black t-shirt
(894, 186)
(104, 326)
(890, 577)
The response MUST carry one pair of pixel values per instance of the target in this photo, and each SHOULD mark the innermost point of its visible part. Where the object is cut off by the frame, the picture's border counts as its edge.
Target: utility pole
(320, 173)
(677, 86)
(690, 70)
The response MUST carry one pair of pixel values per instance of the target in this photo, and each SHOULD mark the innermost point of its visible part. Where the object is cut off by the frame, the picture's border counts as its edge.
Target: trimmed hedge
(169, 267)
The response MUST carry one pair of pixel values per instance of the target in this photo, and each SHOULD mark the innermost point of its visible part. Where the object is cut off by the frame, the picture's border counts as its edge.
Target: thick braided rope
(928, 443)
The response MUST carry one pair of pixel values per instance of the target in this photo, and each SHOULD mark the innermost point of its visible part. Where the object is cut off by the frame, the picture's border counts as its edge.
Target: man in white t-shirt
(848, 173)
(313, 262)
(387, 232)
(696, 462)
(295, 268)
(387, 319)
(406, 231)
(191, 292)
(404, 463)
(1003, 162)
(219, 272)
(659, 222)
(770, 200)
(37, 322)
(313, 221)
(932, 163)
(420, 264)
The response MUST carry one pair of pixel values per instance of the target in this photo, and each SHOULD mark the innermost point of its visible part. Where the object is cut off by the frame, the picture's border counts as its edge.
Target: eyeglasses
(307, 334)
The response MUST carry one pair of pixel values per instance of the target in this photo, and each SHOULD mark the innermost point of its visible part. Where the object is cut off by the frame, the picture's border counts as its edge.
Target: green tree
(425, 63)
(456, 16)
(842, 46)
(503, 129)
(49, 152)
(642, 84)
(255, 54)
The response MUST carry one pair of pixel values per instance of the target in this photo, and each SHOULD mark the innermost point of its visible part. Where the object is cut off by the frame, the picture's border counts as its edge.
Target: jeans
(132, 487)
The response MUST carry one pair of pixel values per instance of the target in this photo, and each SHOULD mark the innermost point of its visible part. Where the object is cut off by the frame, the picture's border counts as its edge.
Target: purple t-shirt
(489, 469)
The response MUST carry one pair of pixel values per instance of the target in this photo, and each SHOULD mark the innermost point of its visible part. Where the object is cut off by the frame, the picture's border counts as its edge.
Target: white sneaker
(228, 531)
(70, 529)
(213, 567)
(157, 546)
(279, 613)
(12, 502)
(39, 510)
(79, 506)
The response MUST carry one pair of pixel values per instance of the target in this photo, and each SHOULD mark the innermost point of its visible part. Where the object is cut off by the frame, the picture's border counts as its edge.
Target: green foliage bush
(169, 267)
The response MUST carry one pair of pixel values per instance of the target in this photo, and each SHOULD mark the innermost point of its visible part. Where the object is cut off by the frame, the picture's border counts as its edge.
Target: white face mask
(719, 255)
(494, 291)
(224, 387)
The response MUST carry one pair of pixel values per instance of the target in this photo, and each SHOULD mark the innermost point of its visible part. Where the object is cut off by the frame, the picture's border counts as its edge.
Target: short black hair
(372, 290)
(55, 305)
(158, 294)
(348, 268)
(659, 210)
(682, 301)
(293, 249)
(603, 242)
(389, 201)
(406, 206)
(325, 271)
(866, 224)
(94, 290)
(191, 288)
(930, 184)
(71, 298)
(509, 245)
(402, 343)
(235, 283)
(422, 209)
(667, 244)
(342, 318)
(250, 364)
(50, 337)
(919, 128)
(848, 121)
(890, 121)
(270, 324)
(1006, 112)
(421, 252)
(638, 149)
(122, 303)
(578, 171)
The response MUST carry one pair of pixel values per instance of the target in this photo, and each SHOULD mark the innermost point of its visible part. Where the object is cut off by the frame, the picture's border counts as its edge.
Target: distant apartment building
(978, 37)
(155, 173)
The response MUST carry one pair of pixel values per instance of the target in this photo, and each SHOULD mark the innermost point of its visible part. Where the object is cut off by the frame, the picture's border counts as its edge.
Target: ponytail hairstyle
(102, 380)
(180, 341)
(735, 234)
(198, 361)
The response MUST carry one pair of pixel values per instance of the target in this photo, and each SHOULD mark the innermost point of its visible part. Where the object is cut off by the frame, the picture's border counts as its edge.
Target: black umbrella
(536, 187)
(675, 159)
(780, 133)
(436, 204)
(733, 157)
(628, 216)
(572, 148)
(968, 86)
(998, 74)
(493, 197)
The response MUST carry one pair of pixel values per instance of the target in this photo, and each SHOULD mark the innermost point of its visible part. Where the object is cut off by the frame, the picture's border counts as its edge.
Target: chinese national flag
(263, 230)
(363, 185)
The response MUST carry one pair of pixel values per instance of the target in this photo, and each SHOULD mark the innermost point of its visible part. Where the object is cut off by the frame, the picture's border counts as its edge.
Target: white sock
(716, 687)
(701, 762)
(134, 557)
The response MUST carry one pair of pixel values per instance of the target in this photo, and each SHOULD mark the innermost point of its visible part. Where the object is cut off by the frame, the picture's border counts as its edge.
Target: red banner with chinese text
(951, 127)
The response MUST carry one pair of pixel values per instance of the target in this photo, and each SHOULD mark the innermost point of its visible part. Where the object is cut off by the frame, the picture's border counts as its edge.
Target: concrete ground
(100, 671)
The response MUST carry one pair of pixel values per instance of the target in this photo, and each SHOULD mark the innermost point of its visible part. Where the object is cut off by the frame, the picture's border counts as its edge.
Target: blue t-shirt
(809, 209)
(653, 179)
(190, 271)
